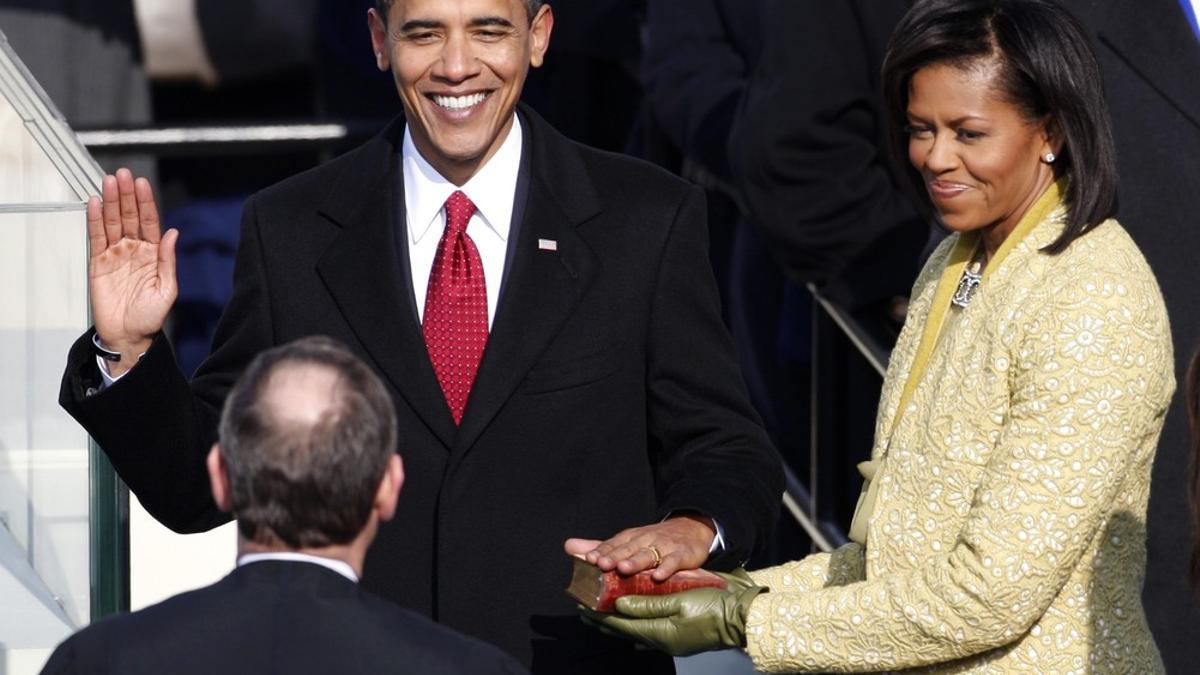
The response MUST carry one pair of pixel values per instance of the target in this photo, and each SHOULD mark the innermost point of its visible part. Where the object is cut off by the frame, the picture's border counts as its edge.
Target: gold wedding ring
(657, 556)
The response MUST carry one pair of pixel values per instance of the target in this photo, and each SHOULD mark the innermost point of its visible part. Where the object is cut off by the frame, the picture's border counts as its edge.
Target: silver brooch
(967, 285)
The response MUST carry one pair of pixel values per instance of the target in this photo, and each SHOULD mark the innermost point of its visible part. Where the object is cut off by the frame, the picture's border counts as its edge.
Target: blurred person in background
(1003, 524)
(588, 88)
(1149, 52)
(698, 62)
(810, 154)
(810, 159)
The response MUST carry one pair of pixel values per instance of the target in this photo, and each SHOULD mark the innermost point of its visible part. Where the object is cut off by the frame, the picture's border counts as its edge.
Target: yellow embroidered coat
(1008, 529)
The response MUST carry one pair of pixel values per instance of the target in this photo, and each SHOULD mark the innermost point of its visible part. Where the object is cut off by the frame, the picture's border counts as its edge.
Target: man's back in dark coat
(275, 617)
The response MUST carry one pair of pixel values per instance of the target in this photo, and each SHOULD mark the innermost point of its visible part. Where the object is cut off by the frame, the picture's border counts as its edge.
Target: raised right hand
(131, 269)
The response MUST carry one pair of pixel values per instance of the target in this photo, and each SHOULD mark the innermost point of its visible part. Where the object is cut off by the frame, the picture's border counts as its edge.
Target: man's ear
(377, 25)
(539, 35)
(388, 494)
(218, 478)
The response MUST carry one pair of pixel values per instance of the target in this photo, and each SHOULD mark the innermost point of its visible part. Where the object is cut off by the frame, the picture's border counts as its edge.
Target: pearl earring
(1050, 157)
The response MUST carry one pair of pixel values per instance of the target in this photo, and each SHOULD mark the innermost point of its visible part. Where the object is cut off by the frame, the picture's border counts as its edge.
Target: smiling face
(459, 66)
(982, 160)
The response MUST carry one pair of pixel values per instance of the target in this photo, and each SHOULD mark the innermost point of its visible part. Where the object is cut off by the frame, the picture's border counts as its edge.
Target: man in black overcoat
(306, 418)
(606, 395)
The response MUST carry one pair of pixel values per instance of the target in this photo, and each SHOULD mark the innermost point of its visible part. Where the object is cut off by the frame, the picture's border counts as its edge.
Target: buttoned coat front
(1008, 530)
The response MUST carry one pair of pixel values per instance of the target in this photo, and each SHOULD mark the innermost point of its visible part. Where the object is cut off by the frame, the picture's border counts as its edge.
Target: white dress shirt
(492, 189)
(340, 566)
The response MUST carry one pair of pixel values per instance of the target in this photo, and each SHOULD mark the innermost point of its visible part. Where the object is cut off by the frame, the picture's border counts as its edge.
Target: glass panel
(27, 175)
(44, 480)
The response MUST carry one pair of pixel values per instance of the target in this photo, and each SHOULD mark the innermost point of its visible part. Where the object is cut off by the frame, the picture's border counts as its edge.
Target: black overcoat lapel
(364, 272)
(1154, 38)
(544, 286)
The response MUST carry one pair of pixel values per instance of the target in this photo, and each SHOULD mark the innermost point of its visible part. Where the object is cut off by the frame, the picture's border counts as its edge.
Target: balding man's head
(306, 434)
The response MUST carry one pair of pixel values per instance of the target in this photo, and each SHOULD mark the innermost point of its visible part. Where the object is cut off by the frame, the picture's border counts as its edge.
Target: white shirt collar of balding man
(341, 567)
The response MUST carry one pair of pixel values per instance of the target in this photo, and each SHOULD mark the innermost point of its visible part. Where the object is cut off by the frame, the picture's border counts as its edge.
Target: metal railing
(849, 359)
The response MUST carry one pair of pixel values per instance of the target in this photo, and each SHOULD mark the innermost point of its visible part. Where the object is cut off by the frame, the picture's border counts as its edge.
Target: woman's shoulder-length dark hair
(1046, 68)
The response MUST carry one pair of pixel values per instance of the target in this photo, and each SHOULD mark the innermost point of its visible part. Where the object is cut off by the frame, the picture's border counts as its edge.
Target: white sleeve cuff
(107, 380)
(718, 543)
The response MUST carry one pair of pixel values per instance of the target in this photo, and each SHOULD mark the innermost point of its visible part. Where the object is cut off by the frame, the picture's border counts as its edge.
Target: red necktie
(456, 310)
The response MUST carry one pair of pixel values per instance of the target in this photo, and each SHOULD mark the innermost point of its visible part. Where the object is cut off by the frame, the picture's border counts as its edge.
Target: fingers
(608, 553)
(166, 259)
(648, 606)
(128, 205)
(629, 552)
(679, 559)
(111, 209)
(679, 543)
(147, 210)
(97, 239)
(580, 547)
(642, 558)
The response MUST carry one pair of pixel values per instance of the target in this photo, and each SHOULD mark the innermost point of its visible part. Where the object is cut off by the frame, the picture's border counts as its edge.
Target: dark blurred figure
(1149, 52)
(588, 88)
(811, 156)
(700, 55)
(698, 61)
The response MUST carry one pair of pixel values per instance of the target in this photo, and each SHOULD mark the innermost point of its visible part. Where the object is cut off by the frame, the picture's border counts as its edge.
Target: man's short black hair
(308, 485)
(531, 5)
(1045, 67)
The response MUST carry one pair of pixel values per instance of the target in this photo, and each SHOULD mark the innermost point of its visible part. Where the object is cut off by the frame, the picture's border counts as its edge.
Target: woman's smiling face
(983, 161)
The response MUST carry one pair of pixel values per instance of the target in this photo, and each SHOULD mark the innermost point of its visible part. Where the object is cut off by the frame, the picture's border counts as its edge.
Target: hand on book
(682, 543)
(686, 623)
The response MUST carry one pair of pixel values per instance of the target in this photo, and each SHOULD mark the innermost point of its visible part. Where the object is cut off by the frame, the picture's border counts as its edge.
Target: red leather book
(599, 590)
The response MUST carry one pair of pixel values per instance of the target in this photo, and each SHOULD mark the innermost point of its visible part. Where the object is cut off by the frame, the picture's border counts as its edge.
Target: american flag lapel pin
(547, 244)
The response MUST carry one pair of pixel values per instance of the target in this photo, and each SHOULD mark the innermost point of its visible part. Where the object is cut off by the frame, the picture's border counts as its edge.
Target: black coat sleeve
(714, 456)
(155, 426)
(809, 149)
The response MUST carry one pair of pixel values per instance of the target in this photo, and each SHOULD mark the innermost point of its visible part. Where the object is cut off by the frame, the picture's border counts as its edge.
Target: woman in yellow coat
(1002, 528)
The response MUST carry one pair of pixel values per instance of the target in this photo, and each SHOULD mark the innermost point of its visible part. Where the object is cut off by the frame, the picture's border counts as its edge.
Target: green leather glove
(684, 623)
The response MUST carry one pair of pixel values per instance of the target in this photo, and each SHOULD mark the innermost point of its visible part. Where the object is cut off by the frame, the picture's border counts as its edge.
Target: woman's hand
(683, 623)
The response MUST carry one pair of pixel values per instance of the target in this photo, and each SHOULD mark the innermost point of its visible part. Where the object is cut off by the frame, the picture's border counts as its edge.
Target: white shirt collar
(341, 567)
(491, 189)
